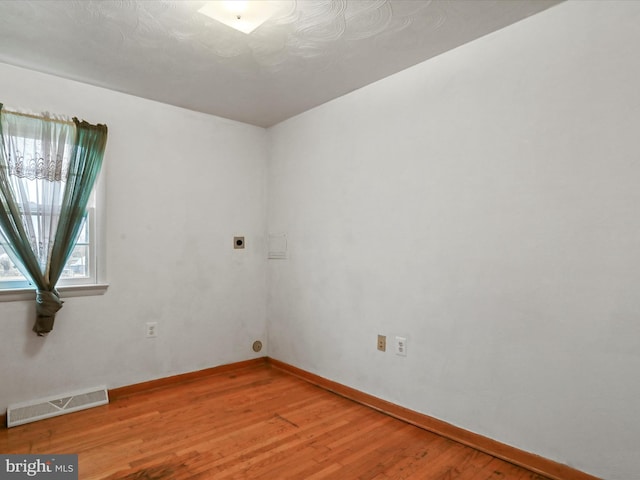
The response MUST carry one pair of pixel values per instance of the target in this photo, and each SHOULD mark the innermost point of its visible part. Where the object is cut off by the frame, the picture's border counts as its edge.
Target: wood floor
(252, 423)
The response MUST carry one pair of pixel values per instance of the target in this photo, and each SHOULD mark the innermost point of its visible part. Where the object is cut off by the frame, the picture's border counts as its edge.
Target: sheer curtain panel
(48, 167)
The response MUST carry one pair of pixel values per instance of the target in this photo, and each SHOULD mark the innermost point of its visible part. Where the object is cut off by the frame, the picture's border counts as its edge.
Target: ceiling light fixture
(243, 15)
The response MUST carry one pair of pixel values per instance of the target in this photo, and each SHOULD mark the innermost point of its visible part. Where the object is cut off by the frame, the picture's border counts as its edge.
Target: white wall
(484, 204)
(179, 185)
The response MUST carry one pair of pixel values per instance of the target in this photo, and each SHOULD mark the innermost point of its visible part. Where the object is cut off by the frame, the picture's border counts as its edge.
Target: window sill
(67, 291)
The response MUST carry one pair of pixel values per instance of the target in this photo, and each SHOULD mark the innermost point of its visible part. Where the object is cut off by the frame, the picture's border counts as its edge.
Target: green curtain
(83, 148)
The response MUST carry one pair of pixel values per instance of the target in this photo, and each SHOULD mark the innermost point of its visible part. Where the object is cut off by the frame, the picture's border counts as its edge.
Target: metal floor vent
(31, 411)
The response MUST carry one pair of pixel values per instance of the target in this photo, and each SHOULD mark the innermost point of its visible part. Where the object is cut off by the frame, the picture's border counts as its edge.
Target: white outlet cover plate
(152, 329)
(401, 346)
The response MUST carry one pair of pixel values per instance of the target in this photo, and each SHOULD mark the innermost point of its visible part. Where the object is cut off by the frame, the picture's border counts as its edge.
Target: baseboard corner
(127, 390)
(532, 462)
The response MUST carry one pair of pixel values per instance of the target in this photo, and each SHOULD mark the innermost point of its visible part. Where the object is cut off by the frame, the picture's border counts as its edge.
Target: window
(49, 176)
(80, 269)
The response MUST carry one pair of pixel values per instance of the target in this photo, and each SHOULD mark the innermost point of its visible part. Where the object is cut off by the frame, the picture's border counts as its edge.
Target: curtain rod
(39, 117)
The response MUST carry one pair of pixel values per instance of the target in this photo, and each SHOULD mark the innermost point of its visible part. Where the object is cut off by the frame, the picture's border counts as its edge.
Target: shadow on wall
(32, 343)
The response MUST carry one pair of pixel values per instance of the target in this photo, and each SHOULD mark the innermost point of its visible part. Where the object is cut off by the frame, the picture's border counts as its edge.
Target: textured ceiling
(310, 52)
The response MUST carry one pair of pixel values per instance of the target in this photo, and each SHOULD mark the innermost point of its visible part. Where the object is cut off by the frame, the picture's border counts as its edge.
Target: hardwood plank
(256, 422)
(145, 387)
(534, 463)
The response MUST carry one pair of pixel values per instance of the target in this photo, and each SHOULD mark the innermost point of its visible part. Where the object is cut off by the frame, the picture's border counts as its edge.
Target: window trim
(67, 291)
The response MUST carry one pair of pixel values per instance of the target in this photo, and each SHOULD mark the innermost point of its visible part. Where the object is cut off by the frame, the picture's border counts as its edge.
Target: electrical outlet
(382, 343)
(401, 346)
(152, 329)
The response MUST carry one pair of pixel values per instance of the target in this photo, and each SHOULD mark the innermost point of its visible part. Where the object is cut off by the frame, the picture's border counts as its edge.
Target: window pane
(77, 267)
(8, 271)
(83, 236)
(78, 264)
